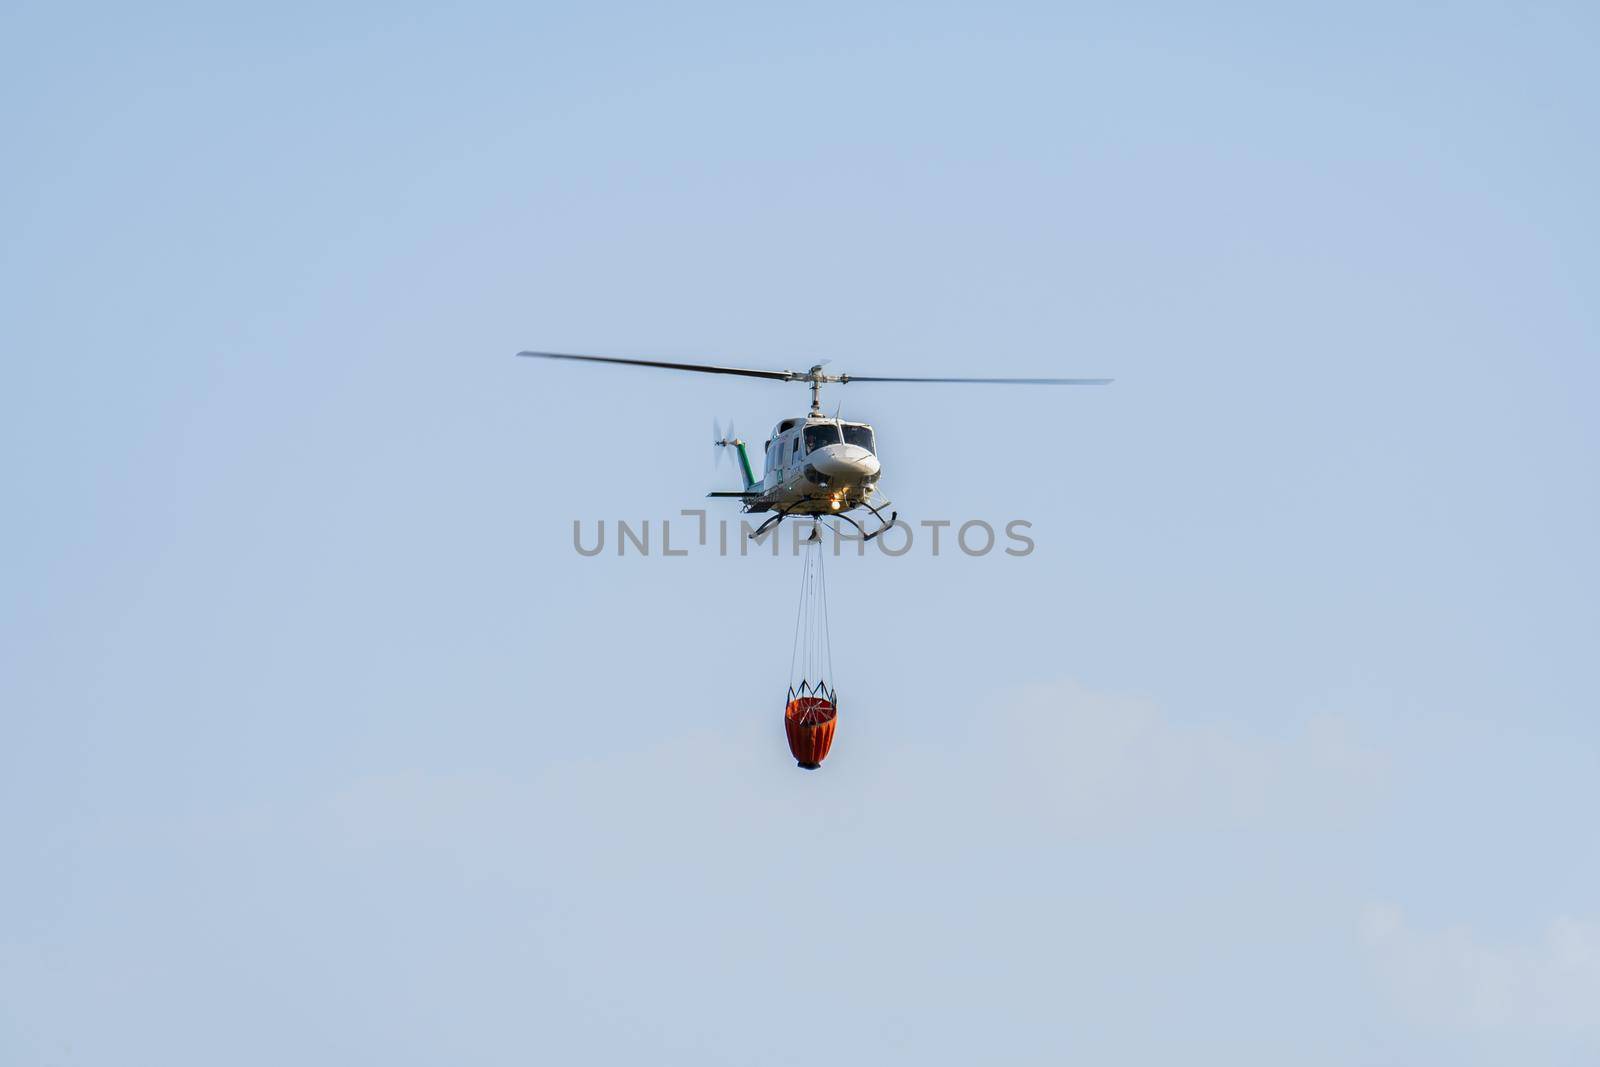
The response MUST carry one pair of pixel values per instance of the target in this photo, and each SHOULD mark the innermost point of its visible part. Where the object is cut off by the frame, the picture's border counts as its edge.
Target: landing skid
(893, 515)
(887, 523)
(770, 523)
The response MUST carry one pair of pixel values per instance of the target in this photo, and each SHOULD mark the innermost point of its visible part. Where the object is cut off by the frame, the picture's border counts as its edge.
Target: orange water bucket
(809, 721)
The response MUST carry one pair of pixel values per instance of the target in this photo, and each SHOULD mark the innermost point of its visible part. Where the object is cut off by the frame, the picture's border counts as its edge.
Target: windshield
(859, 435)
(822, 434)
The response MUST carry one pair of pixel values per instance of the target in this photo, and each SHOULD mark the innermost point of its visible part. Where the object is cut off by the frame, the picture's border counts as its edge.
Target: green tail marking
(744, 466)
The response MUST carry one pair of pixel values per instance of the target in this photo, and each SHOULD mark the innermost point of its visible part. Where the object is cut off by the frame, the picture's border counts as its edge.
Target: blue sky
(322, 743)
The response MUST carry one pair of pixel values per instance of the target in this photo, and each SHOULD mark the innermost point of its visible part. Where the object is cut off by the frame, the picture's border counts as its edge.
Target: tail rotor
(722, 441)
(728, 440)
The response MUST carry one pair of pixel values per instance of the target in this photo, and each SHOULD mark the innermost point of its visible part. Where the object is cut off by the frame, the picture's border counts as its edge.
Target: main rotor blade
(986, 381)
(775, 375)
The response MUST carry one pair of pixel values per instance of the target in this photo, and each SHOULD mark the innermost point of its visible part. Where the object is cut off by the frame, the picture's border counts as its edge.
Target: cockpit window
(825, 433)
(859, 435)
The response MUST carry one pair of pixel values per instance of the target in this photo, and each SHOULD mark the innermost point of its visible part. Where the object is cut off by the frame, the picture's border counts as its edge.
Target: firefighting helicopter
(813, 465)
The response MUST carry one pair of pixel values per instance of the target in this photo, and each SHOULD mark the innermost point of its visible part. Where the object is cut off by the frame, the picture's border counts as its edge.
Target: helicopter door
(775, 464)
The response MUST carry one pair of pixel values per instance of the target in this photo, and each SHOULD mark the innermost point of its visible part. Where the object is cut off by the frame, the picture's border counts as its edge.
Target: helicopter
(813, 465)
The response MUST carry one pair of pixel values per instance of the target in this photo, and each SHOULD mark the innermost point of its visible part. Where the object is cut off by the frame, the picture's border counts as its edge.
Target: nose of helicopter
(845, 463)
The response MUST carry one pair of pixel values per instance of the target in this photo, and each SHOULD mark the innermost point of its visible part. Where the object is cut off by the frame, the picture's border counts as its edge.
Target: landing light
(834, 504)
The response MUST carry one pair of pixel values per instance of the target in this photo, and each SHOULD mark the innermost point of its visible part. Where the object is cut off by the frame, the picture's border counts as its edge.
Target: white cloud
(1085, 762)
(974, 869)
(1454, 978)
(1052, 760)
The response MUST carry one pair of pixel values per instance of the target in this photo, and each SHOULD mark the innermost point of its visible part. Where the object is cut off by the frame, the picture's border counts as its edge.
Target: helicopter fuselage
(815, 465)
